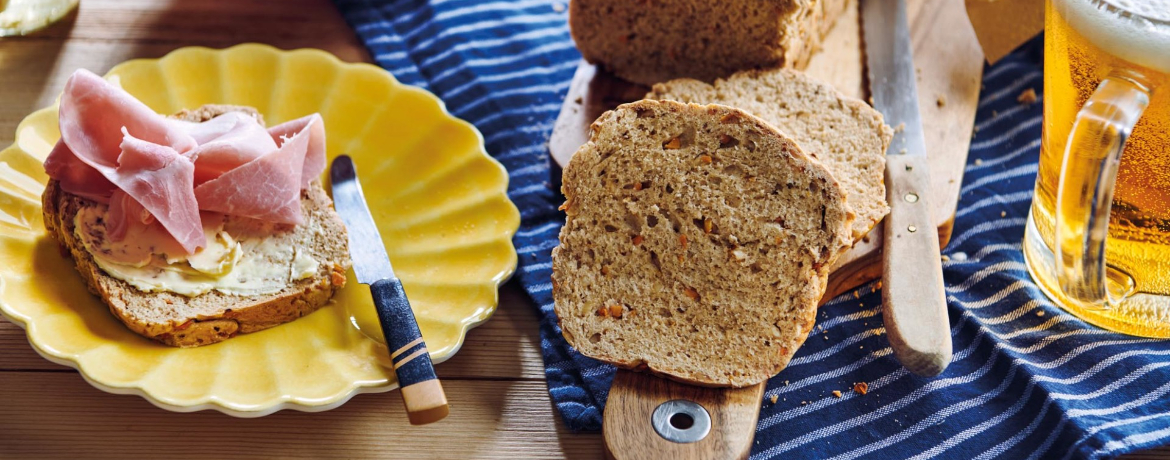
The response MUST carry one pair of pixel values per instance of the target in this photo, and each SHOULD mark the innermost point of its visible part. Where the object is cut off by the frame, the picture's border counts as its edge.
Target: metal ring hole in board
(681, 421)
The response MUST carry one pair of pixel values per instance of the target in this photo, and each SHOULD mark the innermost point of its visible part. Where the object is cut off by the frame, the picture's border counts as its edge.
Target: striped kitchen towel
(1027, 381)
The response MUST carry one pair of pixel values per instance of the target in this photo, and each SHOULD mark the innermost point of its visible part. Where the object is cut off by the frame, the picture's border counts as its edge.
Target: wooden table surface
(500, 404)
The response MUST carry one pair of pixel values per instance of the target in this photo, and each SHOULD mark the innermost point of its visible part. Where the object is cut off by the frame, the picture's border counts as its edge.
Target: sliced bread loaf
(696, 245)
(845, 134)
(214, 316)
(650, 42)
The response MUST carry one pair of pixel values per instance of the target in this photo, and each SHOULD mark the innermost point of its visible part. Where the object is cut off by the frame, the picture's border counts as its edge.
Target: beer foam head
(1140, 35)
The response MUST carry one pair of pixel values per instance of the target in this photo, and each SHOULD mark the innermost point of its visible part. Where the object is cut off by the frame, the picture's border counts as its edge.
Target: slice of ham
(267, 188)
(162, 181)
(77, 177)
(227, 142)
(116, 150)
(314, 163)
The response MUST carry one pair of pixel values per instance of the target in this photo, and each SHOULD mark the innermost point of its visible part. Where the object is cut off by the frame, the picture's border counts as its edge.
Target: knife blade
(914, 305)
(421, 391)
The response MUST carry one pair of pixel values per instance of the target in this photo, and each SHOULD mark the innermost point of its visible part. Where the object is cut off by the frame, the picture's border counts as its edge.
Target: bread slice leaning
(844, 133)
(212, 317)
(696, 245)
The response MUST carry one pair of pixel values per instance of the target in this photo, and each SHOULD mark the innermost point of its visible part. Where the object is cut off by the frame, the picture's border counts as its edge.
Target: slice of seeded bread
(845, 134)
(696, 245)
(182, 321)
(648, 42)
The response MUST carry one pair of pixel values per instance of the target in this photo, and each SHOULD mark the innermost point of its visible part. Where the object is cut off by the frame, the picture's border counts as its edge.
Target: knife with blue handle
(421, 391)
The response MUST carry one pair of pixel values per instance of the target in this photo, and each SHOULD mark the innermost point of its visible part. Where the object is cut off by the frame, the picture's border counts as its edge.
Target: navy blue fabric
(1027, 381)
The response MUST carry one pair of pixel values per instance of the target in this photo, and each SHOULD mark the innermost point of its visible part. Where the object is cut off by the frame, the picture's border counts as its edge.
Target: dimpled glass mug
(1098, 235)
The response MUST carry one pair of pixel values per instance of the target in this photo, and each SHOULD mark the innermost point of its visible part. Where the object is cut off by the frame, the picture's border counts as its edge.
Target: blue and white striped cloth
(1027, 381)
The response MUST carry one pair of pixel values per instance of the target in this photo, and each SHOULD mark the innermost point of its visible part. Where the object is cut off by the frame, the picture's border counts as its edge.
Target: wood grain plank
(505, 347)
(57, 415)
(106, 32)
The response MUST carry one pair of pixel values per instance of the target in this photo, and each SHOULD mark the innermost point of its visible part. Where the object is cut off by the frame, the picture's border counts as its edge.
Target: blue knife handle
(408, 352)
(421, 391)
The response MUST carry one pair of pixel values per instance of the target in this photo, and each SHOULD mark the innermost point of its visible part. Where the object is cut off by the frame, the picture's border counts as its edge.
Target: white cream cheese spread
(241, 259)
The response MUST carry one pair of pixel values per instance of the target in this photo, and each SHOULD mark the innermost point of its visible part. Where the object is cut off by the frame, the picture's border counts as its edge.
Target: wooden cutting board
(949, 63)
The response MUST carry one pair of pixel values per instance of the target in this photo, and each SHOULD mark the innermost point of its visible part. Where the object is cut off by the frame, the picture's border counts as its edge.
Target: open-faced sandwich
(195, 227)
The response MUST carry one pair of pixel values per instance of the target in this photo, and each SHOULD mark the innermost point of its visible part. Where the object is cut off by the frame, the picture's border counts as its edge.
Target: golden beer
(1086, 43)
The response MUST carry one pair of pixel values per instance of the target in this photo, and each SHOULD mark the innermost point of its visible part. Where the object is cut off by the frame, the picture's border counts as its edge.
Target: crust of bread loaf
(650, 42)
(212, 317)
(678, 285)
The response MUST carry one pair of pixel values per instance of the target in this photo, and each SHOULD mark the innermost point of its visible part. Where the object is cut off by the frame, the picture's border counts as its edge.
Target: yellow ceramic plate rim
(283, 401)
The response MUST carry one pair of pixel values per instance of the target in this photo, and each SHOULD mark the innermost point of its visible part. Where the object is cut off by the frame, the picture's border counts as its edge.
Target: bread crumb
(978, 161)
(856, 295)
(900, 127)
(804, 403)
(946, 258)
(994, 113)
(1027, 97)
(774, 398)
(942, 101)
(785, 383)
(1003, 214)
(861, 388)
(878, 285)
(559, 7)
(1040, 313)
(578, 100)
(836, 393)
(672, 144)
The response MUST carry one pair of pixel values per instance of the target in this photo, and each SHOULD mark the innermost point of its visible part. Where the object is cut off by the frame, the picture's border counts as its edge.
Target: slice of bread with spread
(651, 42)
(844, 133)
(696, 245)
(314, 255)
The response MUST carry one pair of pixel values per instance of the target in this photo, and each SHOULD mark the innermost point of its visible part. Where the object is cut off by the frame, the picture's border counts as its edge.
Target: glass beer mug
(1098, 235)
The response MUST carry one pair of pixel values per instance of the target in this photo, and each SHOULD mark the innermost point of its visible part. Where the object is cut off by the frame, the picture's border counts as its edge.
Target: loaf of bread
(696, 245)
(648, 42)
(844, 133)
(183, 321)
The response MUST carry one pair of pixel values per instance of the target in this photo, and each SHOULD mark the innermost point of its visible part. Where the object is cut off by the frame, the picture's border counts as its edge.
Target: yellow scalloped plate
(439, 200)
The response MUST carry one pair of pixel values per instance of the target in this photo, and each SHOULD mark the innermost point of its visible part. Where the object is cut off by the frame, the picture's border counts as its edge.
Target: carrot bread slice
(696, 245)
(315, 253)
(844, 133)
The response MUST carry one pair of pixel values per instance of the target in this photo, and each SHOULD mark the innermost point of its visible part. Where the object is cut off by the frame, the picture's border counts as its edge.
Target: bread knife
(914, 306)
(421, 391)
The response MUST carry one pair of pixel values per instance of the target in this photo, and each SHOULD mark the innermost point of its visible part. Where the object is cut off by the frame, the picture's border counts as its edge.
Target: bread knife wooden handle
(648, 417)
(914, 304)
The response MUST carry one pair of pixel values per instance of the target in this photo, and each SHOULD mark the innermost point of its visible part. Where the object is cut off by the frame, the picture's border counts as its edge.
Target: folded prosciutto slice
(116, 150)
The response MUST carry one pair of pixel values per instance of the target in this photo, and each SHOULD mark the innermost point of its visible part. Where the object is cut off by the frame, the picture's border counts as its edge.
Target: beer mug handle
(1087, 176)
